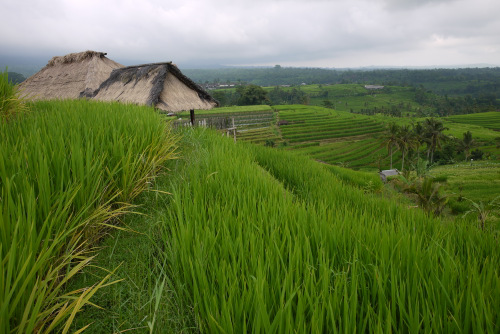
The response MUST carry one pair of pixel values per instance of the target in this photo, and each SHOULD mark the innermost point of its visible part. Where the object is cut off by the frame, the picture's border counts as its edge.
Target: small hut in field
(72, 76)
(161, 85)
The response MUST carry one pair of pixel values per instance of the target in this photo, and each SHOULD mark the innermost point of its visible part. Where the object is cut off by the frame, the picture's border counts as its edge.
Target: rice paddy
(254, 239)
(231, 237)
(68, 170)
(490, 120)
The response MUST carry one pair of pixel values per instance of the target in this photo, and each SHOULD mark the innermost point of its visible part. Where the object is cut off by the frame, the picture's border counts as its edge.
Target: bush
(10, 103)
(477, 154)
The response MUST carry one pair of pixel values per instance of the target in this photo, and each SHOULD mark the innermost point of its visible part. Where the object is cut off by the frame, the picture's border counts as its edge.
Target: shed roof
(158, 84)
(69, 77)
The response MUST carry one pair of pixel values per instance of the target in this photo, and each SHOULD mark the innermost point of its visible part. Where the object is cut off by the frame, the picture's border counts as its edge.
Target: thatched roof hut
(161, 85)
(71, 76)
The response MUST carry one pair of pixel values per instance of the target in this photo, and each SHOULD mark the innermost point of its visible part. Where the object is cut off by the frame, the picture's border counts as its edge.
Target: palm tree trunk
(391, 156)
(403, 161)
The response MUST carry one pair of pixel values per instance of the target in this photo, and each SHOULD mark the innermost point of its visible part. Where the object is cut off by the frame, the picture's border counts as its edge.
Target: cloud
(324, 33)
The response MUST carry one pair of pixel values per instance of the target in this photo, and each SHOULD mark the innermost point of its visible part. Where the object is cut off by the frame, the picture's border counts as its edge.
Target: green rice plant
(67, 171)
(364, 180)
(262, 240)
(10, 103)
(484, 211)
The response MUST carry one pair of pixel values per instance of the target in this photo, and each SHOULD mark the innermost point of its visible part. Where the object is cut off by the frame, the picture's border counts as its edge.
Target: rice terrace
(146, 199)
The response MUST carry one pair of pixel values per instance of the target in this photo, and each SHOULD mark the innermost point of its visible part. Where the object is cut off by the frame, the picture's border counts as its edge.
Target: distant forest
(475, 82)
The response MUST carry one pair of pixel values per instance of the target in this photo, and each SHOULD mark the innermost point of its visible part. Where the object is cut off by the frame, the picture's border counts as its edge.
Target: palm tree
(467, 144)
(404, 141)
(434, 135)
(391, 137)
(419, 136)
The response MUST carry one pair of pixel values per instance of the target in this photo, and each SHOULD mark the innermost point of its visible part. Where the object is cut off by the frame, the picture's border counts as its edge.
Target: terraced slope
(253, 123)
(334, 137)
(490, 120)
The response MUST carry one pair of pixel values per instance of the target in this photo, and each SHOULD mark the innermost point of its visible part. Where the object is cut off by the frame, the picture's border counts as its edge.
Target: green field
(478, 181)
(114, 220)
(489, 120)
(263, 240)
(68, 170)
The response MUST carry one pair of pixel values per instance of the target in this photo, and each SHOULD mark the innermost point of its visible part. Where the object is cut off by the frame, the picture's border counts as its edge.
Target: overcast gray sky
(315, 33)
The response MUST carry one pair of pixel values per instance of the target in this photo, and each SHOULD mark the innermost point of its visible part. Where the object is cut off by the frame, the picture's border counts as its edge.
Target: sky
(312, 33)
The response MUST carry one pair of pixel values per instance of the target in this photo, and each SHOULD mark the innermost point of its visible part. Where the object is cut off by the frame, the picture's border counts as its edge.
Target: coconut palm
(484, 211)
(404, 141)
(391, 137)
(467, 144)
(419, 137)
(434, 135)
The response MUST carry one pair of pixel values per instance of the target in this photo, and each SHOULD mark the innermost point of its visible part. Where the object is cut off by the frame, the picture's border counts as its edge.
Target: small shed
(371, 87)
(161, 85)
(388, 172)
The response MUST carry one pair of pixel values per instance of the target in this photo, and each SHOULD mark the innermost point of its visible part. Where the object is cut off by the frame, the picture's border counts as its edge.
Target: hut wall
(176, 96)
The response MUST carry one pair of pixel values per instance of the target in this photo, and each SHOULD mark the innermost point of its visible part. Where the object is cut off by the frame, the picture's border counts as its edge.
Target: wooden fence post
(234, 131)
(191, 113)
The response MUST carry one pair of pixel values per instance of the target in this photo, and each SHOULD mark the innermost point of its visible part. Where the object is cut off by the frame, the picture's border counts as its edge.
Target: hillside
(451, 82)
(114, 220)
(253, 239)
(343, 138)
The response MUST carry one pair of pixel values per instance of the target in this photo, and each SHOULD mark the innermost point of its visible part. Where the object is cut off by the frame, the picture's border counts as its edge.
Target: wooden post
(234, 131)
(191, 113)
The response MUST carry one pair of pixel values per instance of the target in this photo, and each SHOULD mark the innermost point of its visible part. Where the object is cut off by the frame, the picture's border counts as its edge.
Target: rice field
(253, 239)
(334, 137)
(68, 170)
(489, 120)
(231, 237)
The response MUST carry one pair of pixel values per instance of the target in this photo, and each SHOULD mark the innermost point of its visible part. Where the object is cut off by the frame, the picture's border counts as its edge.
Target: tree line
(453, 82)
(440, 148)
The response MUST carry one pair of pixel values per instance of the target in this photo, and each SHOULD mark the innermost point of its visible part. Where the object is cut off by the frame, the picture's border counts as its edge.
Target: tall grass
(10, 102)
(67, 170)
(259, 240)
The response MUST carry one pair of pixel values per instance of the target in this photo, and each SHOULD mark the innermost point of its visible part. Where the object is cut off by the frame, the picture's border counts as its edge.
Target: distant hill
(453, 82)
(15, 77)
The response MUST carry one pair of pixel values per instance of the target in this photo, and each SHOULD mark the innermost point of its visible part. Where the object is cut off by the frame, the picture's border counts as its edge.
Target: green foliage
(489, 120)
(10, 103)
(289, 248)
(67, 170)
(391, 137)
(434, 136)
(270, 143)
(16, 78)
(467, 144)
(484, 211)
(427, 192)
(252, 95)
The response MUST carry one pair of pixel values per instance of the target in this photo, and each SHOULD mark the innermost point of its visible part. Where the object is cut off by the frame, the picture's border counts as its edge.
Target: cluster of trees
(432, 105)
(475, 82)
(15, 78)
(242, 96)
(253, 95)
(441, 80)
(409, 139)
(458, 105)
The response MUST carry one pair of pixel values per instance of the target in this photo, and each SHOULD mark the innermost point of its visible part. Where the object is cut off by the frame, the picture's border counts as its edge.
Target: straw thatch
(71, 76)
(161, 85)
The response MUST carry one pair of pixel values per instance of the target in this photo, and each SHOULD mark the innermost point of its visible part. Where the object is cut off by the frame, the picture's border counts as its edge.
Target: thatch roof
(161, 85)
(71, 76)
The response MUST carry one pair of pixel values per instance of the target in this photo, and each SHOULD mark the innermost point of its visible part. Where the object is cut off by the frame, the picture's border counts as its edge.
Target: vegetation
(476, 82)
(67, 171)
(10, 103)
(16, 78)
(240, 237)
(255, 239)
